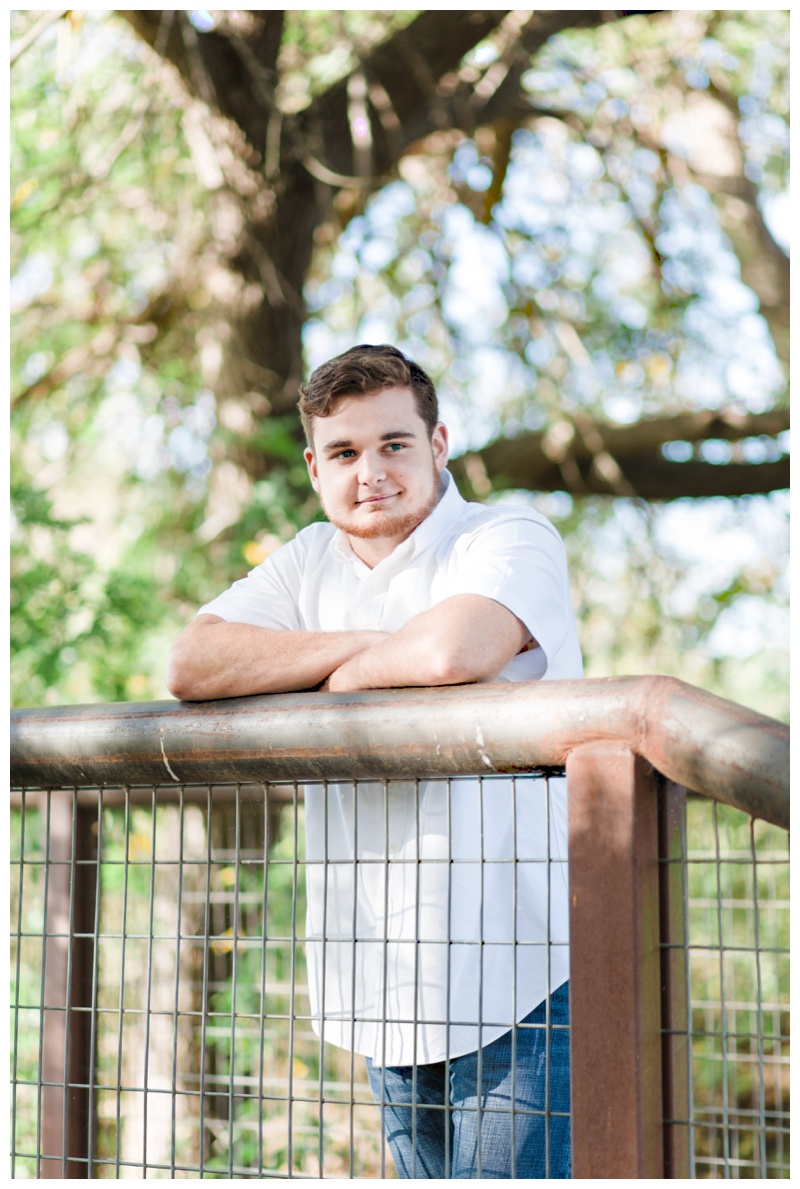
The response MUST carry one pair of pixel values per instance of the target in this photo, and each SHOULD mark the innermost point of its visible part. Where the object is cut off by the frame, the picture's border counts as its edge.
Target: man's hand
(341, 681)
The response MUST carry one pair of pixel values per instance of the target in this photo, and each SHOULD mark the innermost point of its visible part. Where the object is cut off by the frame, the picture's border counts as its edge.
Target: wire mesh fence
(733, 872)
(160, 997)
(184, 980)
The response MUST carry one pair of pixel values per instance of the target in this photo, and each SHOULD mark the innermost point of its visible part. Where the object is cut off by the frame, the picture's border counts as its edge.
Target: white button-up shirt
(414, 961)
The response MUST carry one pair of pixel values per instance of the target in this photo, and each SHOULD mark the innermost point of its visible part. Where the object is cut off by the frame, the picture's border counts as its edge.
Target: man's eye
(395, 446)
(345, 454)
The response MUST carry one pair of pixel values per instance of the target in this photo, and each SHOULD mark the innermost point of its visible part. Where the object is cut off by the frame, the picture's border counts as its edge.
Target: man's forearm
(463, 639)
(216, 659)
(395, 662)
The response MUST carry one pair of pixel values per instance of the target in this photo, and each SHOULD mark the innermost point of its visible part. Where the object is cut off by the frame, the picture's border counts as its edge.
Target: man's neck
(374, 550)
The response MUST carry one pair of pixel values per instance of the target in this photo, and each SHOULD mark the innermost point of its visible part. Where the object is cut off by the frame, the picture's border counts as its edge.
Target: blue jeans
(477, 1130)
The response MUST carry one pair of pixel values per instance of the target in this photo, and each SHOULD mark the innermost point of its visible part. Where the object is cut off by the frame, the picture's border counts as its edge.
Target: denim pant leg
(486, 1131)
(480, 1140)
(415, 1121)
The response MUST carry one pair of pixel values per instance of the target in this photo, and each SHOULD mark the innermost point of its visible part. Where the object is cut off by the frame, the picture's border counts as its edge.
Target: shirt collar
(426, 534)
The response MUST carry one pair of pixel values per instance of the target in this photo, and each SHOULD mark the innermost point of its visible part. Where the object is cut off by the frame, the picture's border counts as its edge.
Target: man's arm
(213, 658)
(462, 639)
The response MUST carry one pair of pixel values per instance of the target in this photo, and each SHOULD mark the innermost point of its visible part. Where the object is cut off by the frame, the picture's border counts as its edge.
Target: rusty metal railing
(679, 1026)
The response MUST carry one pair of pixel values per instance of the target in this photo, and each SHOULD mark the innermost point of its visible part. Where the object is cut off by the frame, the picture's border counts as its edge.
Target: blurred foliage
(573, 266)
(320, 47)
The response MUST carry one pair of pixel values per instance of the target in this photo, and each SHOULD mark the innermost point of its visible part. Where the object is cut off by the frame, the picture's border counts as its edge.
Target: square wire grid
(734, 945)
(176, 999)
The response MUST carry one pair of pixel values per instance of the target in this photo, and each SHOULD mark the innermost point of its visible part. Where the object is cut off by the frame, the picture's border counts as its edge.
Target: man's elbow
(445, 666)
(183, 682)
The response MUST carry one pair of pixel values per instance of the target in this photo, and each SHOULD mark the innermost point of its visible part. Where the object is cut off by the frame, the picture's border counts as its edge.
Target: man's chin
(379, 523)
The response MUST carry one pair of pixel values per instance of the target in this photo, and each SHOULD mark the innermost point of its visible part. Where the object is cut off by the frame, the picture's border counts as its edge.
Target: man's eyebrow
(346, 443)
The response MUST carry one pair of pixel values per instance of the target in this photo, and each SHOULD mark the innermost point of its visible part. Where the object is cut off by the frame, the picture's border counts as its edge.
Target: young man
(437, 920)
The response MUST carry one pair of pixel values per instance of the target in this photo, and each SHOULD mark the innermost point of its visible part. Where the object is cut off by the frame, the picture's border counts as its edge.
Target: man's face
(375, 469)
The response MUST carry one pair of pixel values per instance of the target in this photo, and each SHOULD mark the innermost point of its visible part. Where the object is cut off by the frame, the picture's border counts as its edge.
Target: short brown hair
(363, 371)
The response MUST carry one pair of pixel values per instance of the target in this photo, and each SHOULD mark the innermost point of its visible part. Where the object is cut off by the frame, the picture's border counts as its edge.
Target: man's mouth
(378, 499)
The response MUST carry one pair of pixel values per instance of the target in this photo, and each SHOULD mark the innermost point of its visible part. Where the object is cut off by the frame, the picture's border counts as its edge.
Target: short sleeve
(268, 596)
(519, 562)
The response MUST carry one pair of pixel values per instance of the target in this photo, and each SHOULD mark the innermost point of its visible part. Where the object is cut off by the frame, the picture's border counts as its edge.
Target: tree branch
(408, 68)
(416, 69)
(549, 462)
(507, 100)
(211, 65)
(36, 31)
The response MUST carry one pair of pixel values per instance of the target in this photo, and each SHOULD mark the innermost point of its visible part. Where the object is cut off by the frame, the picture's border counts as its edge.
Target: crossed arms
(463, 639)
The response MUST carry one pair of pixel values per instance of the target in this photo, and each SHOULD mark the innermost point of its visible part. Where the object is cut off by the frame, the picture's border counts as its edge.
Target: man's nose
(371, 467)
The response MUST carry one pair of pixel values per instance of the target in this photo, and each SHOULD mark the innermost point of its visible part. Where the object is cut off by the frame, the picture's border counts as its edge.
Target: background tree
(571, 218)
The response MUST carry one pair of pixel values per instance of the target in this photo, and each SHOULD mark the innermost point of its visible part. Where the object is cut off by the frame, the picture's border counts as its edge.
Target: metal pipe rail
(697, 740)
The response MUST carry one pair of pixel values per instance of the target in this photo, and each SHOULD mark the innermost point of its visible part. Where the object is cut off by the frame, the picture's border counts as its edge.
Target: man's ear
(440, 445)
(311, 463)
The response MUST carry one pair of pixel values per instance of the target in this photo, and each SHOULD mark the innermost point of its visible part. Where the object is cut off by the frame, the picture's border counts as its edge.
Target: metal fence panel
(728, 954)
(735, 872)
(160, 959)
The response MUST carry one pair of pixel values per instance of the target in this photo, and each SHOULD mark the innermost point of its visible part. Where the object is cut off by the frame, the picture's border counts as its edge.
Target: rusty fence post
(675, 982)
(615, 978)
(66, 1010)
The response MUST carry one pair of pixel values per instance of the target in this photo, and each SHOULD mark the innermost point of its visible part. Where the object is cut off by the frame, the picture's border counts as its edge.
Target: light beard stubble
(392, 524)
